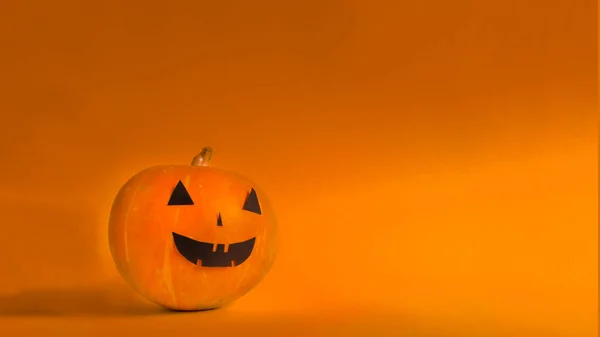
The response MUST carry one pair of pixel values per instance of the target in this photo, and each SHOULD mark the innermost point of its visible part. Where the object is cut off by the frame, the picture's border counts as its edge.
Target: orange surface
(433, 165)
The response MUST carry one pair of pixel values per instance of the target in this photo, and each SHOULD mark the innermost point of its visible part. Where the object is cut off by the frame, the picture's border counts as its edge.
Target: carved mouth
(213, 255)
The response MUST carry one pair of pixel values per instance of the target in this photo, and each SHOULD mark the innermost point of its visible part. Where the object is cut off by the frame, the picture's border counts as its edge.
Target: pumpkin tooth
(232, 263)
(226, 249)
(214, 247)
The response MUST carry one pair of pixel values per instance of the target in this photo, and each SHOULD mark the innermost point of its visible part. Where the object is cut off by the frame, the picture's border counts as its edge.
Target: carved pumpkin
(192, 237)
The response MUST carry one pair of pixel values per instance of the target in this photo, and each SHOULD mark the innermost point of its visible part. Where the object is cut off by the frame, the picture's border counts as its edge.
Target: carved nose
(219, 220)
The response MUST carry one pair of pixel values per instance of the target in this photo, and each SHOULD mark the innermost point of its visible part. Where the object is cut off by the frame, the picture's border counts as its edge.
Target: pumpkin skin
(150, 240)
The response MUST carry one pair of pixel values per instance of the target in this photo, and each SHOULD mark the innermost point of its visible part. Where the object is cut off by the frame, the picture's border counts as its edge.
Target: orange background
(433, 164)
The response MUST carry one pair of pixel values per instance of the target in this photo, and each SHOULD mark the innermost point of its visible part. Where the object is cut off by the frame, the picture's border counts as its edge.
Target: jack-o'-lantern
(192, 237)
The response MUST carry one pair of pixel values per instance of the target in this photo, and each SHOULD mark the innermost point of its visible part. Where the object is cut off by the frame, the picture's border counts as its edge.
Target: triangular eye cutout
(251, 204)
(180, 196)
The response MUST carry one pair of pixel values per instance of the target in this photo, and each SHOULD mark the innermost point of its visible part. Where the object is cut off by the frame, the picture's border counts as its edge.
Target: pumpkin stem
(203, 158)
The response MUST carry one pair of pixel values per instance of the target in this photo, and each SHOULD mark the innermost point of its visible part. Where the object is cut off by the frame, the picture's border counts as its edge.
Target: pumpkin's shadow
(105, 301)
